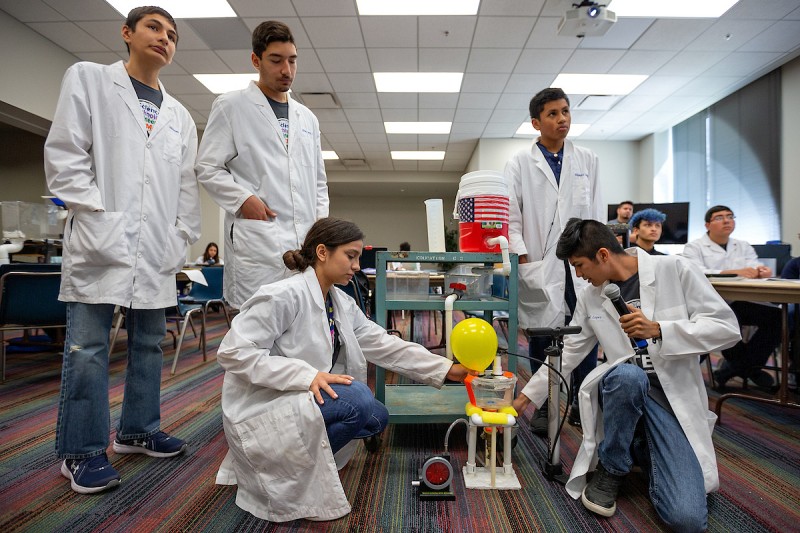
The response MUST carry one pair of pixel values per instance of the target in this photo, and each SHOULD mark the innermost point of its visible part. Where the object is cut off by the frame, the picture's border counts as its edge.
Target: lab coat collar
(544, 166)
(122, 81)
(259, 99)
(314, 288)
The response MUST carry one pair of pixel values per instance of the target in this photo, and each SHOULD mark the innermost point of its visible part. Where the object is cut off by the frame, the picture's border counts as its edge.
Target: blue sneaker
(157, 445)
(91, 475)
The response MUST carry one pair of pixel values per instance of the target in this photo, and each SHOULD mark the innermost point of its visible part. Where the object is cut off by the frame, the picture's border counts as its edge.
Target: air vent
(320, 100)
(353, 163)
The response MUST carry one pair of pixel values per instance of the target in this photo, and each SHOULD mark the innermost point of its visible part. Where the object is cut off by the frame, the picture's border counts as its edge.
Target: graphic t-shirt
(150, 99)
(281, 110)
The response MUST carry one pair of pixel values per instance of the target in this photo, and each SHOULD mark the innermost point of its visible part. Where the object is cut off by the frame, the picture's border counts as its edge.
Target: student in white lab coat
(654, 412)
(120, 154)
(717, 252)
(295, 391)
(261, 160)
(550, 182)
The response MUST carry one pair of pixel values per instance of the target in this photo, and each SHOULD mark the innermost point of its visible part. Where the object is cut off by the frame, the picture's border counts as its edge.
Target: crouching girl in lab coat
(295, 391)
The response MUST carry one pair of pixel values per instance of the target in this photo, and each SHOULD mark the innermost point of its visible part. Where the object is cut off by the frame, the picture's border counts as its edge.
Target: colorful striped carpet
(758, 449)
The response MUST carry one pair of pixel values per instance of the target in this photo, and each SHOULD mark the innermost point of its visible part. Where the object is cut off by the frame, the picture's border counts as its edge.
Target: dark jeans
(743, 357)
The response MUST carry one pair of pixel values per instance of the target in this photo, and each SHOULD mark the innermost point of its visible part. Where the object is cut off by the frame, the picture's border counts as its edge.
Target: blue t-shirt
(150, 99)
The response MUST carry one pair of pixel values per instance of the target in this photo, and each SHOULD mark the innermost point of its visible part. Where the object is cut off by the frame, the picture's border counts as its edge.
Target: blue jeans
(355, 414)
(83, 425)
(636, 427)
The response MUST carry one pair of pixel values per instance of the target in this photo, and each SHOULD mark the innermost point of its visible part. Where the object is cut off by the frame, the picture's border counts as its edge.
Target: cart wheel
(372, 444)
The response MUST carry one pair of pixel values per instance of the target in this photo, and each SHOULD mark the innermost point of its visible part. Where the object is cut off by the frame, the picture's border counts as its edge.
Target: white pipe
(503, 242)
(448, 320)
(6, 249)
(497, 368)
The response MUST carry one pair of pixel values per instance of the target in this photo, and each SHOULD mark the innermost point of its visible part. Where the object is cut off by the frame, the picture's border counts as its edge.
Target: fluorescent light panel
(329, 154)
(224, 83)
(419, 128)
(418, 82)
(181, 9)
(671, 8)
(418, 7)
(429, 155)
(599, 84)
(526, 129)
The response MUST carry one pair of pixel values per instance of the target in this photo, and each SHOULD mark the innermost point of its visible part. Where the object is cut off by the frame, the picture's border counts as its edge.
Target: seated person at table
(295, 391)
(210, 257)
(651, 409)
(717, 253)
(647, 224)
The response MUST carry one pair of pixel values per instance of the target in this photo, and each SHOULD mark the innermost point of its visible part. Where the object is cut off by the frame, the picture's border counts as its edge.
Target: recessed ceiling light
(417, 127)
(418, 82)
(599, 84)
(672, 9)
(430, 155)
(181, 9)
(329, 154)
(526, 129)
(417, 7)
(224, 83)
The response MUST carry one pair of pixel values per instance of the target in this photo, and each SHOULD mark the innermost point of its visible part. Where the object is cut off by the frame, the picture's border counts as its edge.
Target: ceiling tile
(754, 9)
(268, 9)
(661, 85)
(333, 32)
(335, 138)
(438, 100)
(239, 61)
(446, 31)
(182, 84)
(644, 62)
(393, 59)
(484, 83)
(344, 59)
(473, 115)
(783, 36)
(222, 33)
(85, 9)
(201, 62)
(384, 32)
(439, 114)
(728, 35)
(517, 116)
(517, 8)
(707, 86)
(671, 34)
(296, 27)
(545, 35)
(104, 58)
(492, 59)
(405, 165)
(328, 8)
(374, 147)
(742, 63)
(443, 59)
(329, 115)
(516, 101)
(470, 128)
(363, 115)
(69, 36)
(429, 166)
(352, 83)
(528, 83)
(592, 61)
(398, 100)
(198, 101)
(110, 34)
(478, 100)
(501, 130)
(541, 61)
(358, 100)
(333, 127)
(31, 11)
(399, 114)
(514, 31)
(622, 34)
(691, 63)
(311, 82)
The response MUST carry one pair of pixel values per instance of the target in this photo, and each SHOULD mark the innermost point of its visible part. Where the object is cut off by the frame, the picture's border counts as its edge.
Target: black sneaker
(539, 421)
(600, 494)
(157, 445)
(91, 475)
(574, 418)
(762, 379)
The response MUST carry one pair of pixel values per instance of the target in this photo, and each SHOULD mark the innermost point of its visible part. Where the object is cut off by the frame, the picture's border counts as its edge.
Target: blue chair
(211, 294)
(29, 300)
(182, 315)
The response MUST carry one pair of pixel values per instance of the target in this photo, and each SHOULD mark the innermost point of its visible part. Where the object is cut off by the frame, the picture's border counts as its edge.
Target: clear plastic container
(494, 392)
(475, 278)
(407, 285)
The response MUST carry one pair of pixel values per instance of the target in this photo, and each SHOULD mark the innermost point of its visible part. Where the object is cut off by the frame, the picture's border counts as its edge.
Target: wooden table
(783, 292)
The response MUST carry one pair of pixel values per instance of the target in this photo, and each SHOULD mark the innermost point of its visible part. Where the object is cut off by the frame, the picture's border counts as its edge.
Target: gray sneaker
(600, 494)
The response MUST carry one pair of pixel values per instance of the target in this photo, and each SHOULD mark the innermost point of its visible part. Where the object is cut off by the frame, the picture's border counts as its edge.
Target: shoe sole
(597, 509)
(124, 448)
(85, 490)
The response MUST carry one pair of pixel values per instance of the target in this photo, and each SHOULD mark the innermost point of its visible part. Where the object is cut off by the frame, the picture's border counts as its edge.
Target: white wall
(790, 154)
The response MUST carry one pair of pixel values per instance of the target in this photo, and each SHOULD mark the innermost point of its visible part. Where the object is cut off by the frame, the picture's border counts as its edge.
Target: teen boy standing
(654, 412)
(550, 182)
(120, 154)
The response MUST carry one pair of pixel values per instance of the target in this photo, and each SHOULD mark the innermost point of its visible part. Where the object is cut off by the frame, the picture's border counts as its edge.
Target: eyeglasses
(720, 218)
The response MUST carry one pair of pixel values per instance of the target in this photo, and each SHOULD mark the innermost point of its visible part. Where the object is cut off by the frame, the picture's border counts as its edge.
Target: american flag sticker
(488, 208)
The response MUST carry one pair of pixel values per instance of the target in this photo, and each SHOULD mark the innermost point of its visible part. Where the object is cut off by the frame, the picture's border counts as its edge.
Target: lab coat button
(324, 444)
(144, 217)
(149, 145)
(147, 181)
(139, 255)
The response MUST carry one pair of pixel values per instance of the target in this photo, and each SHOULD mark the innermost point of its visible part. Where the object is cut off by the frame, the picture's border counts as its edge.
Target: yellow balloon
(474, 343)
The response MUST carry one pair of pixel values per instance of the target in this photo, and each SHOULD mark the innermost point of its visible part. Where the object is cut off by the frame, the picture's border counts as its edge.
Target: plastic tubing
(448, 320)
(503, 242)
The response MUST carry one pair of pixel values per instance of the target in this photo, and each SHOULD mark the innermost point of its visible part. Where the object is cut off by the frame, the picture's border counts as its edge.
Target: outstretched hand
(457, 372)
(323, 380)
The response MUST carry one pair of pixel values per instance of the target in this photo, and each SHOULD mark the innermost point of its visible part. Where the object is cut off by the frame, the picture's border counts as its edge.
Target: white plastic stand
(478, 477)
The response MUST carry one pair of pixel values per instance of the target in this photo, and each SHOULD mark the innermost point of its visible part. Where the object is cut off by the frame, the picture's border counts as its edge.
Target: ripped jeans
(84, 417)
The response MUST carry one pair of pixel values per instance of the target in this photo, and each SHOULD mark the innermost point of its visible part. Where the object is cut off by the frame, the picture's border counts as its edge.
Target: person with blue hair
(647, 226)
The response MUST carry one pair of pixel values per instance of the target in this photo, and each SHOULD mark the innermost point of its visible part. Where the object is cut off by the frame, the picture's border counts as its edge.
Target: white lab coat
(98, 157)
(243, 153)
(694, 320)
(279, 451)
(713, 258)
(539, 209)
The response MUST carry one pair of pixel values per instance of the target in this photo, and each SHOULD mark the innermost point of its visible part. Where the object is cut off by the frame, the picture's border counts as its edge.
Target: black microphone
(612, 293)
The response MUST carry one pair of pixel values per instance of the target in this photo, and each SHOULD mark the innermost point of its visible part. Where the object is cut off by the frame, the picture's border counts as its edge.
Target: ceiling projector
(586, 19)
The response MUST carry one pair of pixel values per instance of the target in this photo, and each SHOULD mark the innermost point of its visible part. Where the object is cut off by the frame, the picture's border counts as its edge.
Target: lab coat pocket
(173, 146)
(307, 152)
(581, 190)
(174, 256)
(258, 255)
(274, 444)
(532, 295)
(97, 239)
